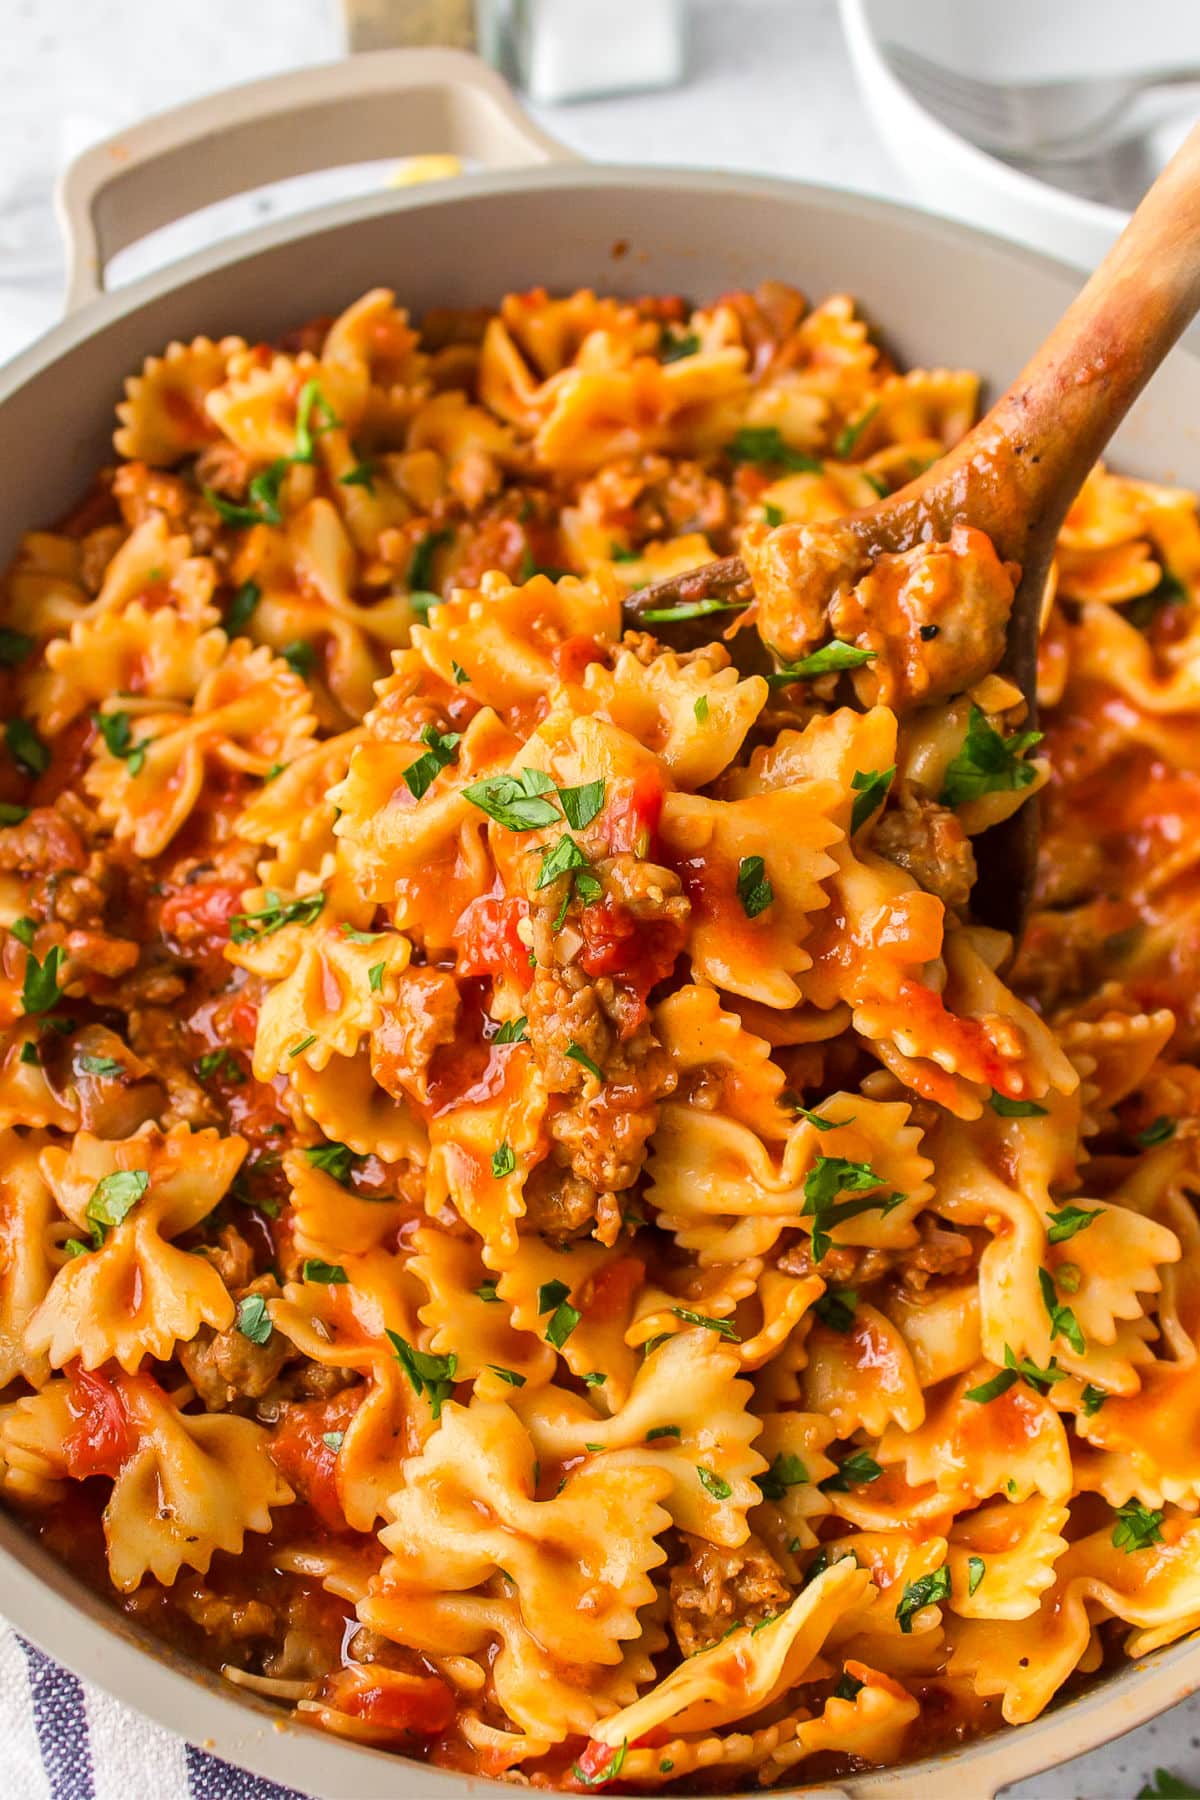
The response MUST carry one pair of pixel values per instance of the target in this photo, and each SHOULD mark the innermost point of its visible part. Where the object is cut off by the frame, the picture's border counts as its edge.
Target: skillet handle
(388, 103)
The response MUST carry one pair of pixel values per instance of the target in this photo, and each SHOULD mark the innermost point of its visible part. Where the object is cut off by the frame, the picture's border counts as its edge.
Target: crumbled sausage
(928, 842)
(715, 1587)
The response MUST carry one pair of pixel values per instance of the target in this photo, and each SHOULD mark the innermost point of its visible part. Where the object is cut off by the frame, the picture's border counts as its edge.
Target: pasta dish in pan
(536, 1228)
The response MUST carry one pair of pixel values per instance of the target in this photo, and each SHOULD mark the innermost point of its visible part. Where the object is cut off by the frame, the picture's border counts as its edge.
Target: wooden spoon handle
(1023, 464)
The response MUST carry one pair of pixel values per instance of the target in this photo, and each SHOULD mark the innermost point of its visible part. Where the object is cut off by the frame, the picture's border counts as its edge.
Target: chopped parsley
(701, 709)
(847, 438)
(241, 608)
(333, 1440)
(305, 1043)
(26, 748)
(871, 787)
(663, 1431)
(430, 1375)
(836, 1308)
(576, 1054)
(441, 750)
(274, 914)
(503, 1161)
(1063, 1322)
(11, 813)
(312, 402)
(1160, 1132)
(988, 763)
(253, 1319)
(855, 1470)
(15, 646)
(332, 1159)
(508, 1375)
(1093, 1399)
(23, 929)
(221, 1063)
(763, 444)
(460, 674)
(925, 1592)
(486, 1291)
(113, 1197)
(1015, 1109)
(773, 515)
(326, 1273)
(976, 1570)
(518, 802)
(581, 804)
(420, 569)
(1065, 1224)
(610, 1771)
(787, 1471)
(830, 659)
(829, 1177)
(672, 347)
(513, 1031)
(300, 657)
(1014, 1370)
(722, 1327)
(361, 475)
(714, 1484)
(114, 728)
(691, 609)
(754, 890)
(849, 1687)
(40, 990)
(1137, 1527)
(375, 976)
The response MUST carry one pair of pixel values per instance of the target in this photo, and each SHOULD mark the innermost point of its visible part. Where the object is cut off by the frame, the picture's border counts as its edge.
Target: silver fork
(1033, 120)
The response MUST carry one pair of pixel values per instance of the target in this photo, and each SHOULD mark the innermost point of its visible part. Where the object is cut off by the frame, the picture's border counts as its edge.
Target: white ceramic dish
(943, 294)
(1020, 41)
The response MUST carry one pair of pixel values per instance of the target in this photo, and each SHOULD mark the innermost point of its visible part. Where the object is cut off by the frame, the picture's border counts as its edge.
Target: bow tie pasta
(537, 1227)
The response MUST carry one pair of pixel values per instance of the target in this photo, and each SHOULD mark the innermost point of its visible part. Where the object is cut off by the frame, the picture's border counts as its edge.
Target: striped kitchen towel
(60, 1740)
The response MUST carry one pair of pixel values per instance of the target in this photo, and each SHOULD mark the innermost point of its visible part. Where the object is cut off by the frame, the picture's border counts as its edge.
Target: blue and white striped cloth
(60, 1740)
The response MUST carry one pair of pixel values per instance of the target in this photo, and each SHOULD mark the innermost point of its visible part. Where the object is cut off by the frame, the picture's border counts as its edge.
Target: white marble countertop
(769, 88)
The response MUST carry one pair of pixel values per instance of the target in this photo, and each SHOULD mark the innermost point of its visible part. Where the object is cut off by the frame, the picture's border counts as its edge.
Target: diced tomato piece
(303, 1457)
(102, 1438)
(197, 917)
(488, 944)
(632, 817)
(637, 954)
(572, 656)
(613, 1289)
(418, 1703)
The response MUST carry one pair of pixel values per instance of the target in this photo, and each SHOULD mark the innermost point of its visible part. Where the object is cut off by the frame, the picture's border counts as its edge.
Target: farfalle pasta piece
(467, 1318)
(488, 1196)
(872, 1726)
(427, 859)
(28, 1254)
(751, 942)
(329, 1220)
(541, 1694)
(970, 1449)
(192, 1486)
(597, 1539)
(1002, 1557)
(600, 1284)
(794, 1447)
(699, 1034)
(248, 714)
(745, 1672)
(330, 999)
(154, 565)
(862, 1379)
(158, 654)
(349, 1106)
(505, 637)
(352, 1324)
(163, 417)
(43, 590)
(134, 1295)
(657, 703)
(686, 1413)
(26, 1096)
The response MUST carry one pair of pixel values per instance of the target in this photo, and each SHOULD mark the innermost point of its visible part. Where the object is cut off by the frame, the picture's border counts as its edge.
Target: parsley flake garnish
(40, 990)
(15, 646)
(113, 1197)
(253, 1319)
(1063, 1322)
(1015, 1109)
(1065, 1224)
(518, 802)
(241, 608)
(328, 1274)
(926, 1592)
(503, 1161)
(430, 1375)
(274, 914)
(26, 748)
(836, 1308)
(856, 1470)
(830, 659)
(976, 1570)
(334, 1159)
(763, 444)
(441, 750)
(713, 1484)
(847, 438)
(988, 763)
(785, 1472)
(576, 1054)
(871, 787)
(723, 1327)
(754, 890)
(1137, 1527)
(829, 1177)
(1160, 1132)
(512, 1031)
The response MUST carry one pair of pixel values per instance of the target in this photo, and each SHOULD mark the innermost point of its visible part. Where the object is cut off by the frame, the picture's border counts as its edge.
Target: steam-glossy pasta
(534, 1220)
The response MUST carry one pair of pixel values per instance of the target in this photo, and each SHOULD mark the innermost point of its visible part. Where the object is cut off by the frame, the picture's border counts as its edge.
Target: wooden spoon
(1015, 475)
